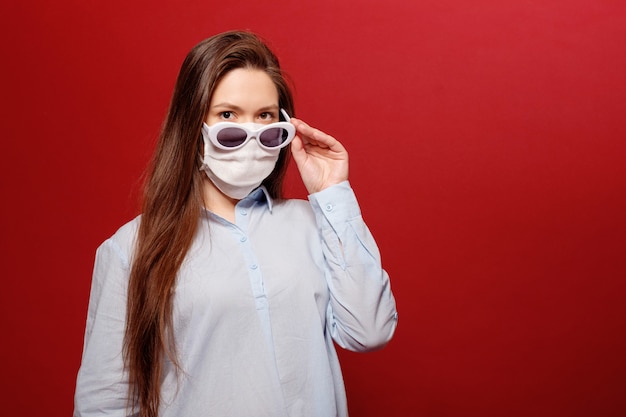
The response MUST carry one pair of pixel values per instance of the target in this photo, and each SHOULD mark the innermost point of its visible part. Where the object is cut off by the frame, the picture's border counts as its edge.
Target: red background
(487, 143)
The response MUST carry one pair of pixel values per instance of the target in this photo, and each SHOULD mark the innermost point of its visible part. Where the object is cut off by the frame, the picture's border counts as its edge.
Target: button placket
(254, 271)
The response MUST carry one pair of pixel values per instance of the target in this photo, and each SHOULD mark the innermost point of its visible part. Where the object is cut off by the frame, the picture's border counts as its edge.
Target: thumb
(297, 150)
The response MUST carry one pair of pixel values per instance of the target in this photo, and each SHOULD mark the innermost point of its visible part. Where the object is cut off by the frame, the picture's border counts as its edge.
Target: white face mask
(236, 173)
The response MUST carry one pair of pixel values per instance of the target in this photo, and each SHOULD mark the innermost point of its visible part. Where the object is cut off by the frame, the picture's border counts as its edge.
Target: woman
(222, 299)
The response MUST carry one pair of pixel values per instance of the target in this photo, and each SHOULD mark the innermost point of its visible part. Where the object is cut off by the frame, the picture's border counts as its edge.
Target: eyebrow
(239, 109)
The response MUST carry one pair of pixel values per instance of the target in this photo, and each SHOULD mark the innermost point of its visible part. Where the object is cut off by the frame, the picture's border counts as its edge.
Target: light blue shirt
(257, 306)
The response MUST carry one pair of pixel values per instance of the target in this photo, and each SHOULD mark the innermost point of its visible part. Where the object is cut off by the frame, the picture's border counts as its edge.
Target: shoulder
(128, 232)
(293, 213)
(293, 206)
(122, 242)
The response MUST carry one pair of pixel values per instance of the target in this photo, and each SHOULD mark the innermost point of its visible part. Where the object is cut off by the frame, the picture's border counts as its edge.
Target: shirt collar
(260, 195)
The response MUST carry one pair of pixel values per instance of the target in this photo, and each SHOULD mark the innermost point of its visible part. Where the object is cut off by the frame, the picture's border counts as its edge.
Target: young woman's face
(244, 96)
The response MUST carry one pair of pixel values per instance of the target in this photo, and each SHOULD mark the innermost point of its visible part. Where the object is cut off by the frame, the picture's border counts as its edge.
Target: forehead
(246, 87)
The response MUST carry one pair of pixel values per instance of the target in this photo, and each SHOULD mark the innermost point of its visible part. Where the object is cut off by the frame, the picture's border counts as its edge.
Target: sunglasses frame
(213, 131)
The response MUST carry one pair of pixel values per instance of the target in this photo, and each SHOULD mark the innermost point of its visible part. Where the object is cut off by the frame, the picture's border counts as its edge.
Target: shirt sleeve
(361, 314)
(102, 383)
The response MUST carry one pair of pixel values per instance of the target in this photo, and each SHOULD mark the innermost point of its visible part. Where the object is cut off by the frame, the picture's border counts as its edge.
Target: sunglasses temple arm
(284, 113)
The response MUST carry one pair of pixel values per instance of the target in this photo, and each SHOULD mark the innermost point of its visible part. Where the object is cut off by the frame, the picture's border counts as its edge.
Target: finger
(303, 137)
(307, 130)
(315, 136)
(297, 150)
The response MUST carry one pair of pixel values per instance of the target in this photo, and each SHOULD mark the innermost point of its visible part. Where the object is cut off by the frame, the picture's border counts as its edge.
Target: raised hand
(321, 159)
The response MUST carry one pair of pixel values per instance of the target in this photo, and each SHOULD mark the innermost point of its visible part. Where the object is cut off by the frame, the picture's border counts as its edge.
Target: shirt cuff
(336, 203)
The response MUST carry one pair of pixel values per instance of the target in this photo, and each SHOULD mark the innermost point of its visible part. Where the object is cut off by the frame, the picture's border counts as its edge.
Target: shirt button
(254, 266)
(329, 207)
(243, 239)
(243, 212)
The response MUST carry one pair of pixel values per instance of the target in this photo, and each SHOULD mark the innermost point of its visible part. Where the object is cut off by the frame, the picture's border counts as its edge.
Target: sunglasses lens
(231, 137)
(274, 137)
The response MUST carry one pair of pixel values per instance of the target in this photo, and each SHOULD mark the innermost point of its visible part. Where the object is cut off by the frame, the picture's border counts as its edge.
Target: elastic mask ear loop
(200, 150)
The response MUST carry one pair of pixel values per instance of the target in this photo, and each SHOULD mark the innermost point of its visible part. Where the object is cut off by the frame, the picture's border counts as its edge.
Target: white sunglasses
(230, 136)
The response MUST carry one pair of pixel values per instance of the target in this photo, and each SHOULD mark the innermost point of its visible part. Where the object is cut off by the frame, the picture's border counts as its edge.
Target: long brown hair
(173, 202)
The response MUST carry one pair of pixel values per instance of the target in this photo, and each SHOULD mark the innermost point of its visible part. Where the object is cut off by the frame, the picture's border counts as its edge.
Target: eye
(226, 115)
(266, 116)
